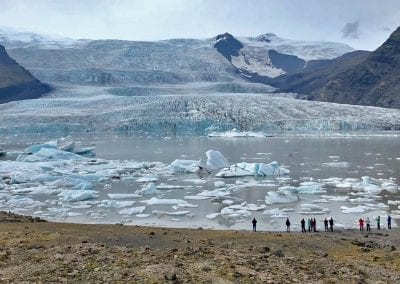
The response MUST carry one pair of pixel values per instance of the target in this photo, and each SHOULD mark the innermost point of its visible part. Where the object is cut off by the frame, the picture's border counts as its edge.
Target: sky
(363, 24)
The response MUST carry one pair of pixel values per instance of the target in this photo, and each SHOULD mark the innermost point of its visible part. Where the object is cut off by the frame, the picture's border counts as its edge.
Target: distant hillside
(355, 78)
(223, 58)
(15, 82)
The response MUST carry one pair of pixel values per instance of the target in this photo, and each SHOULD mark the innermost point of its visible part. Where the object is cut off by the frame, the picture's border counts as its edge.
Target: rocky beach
(32, 250)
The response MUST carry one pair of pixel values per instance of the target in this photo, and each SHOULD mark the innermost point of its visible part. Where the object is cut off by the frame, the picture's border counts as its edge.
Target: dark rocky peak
(227, 45)
(389, 51)
(4, 58)
(268, 37)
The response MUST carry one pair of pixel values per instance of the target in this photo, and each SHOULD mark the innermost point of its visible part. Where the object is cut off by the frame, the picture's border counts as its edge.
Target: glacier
(93, 109)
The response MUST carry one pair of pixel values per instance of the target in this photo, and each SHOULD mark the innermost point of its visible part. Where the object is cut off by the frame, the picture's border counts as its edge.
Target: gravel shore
(36, 251)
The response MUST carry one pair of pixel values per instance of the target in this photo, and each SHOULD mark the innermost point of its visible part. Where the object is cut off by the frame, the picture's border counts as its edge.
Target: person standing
(368, 222)
(309, 224)
(389, 222)
(303, 225)
(331, 224)
(326, 224)
(287, 225)
(315, 225)
(361, 223)
(378, 222)
(254, 222)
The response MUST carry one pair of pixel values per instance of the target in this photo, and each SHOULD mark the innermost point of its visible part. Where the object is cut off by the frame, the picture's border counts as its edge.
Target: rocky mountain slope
(356, 78)
(15, 82)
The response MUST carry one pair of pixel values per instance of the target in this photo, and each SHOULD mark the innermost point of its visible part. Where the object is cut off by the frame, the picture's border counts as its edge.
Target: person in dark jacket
(326, 224)
(254, 222)
(331, 224)
(287, 225)
(389, 222)
(303, 225)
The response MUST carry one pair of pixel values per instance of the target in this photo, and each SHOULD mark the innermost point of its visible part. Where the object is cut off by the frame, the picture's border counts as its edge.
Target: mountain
(363, 79)
(224, 58)
(15, 82)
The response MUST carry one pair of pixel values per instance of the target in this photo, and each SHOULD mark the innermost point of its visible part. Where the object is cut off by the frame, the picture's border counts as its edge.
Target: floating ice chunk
(47, 154)
(74, 214)
(170, 186)
(247, 206)
(143, 215)
(72, 195)
(394, 202)
(215, 160)
(283, 196)
(274, 211)
(253, 169)
(23, 202)
(123, 195)
(36, 148)
(148, 178)
(214, 193)
(185, 166)
(159, 201)
(219, 184)
(236, 134)
(389, 186)
(336, 164)
(335, 197)
(197, 197)
(232, 213)
(174, 213)
(148, 189)
(132, 210)
(357, 209)
(310, 187)
(307, 209)
(115, 203)
(86, 185)
(213, 215)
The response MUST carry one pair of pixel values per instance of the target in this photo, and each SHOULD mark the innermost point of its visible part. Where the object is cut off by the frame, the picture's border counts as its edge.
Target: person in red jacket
(361, 223)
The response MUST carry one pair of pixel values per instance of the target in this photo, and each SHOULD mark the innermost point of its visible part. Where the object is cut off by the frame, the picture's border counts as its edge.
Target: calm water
(374, 156)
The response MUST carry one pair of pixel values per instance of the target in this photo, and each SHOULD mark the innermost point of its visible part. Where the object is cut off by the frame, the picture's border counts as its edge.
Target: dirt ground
(34, 251)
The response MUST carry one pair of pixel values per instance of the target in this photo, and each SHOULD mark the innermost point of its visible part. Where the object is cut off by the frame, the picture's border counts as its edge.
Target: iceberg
(336, 164)
(283, 196)
(215, 160)
(236, 134)
(184, 166)
(115, 203)
(148, 189)
(253, 169)
(48, 154)
(247, 206)
(159, 201)
(310, 187)
(132, 210)
(357, 209)
(123, 195)
(72, 195)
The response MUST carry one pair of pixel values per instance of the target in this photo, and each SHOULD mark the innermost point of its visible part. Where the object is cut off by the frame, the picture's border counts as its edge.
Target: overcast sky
(363, 24)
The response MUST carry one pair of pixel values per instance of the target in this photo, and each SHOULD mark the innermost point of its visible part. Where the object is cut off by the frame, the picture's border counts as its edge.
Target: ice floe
(253, 169)
(282, 196)
(132, 210)
(236, 134)
(215, 160)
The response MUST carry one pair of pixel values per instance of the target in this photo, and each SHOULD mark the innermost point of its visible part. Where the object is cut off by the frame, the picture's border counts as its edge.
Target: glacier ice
(132, 210)
(215, 160)
(253, 169)
(282, 196)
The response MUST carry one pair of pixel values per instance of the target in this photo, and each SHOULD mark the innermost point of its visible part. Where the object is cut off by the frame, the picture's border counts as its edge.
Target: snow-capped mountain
(271, 56)
(175, 61)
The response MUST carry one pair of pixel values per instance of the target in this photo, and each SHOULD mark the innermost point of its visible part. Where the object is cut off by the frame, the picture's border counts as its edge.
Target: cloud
(351, 30)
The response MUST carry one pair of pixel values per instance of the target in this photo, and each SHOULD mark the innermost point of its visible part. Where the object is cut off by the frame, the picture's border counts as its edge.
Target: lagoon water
(308, 157)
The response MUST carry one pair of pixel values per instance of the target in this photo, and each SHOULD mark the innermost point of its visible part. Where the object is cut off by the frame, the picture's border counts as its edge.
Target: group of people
(367, 222)
(328, 224)
(311, 222)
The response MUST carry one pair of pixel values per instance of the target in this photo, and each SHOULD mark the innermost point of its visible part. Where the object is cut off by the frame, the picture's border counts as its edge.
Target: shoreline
(32, 250)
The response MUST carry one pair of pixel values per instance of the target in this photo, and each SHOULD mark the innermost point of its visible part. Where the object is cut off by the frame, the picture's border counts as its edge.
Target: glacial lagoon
(346, 176)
